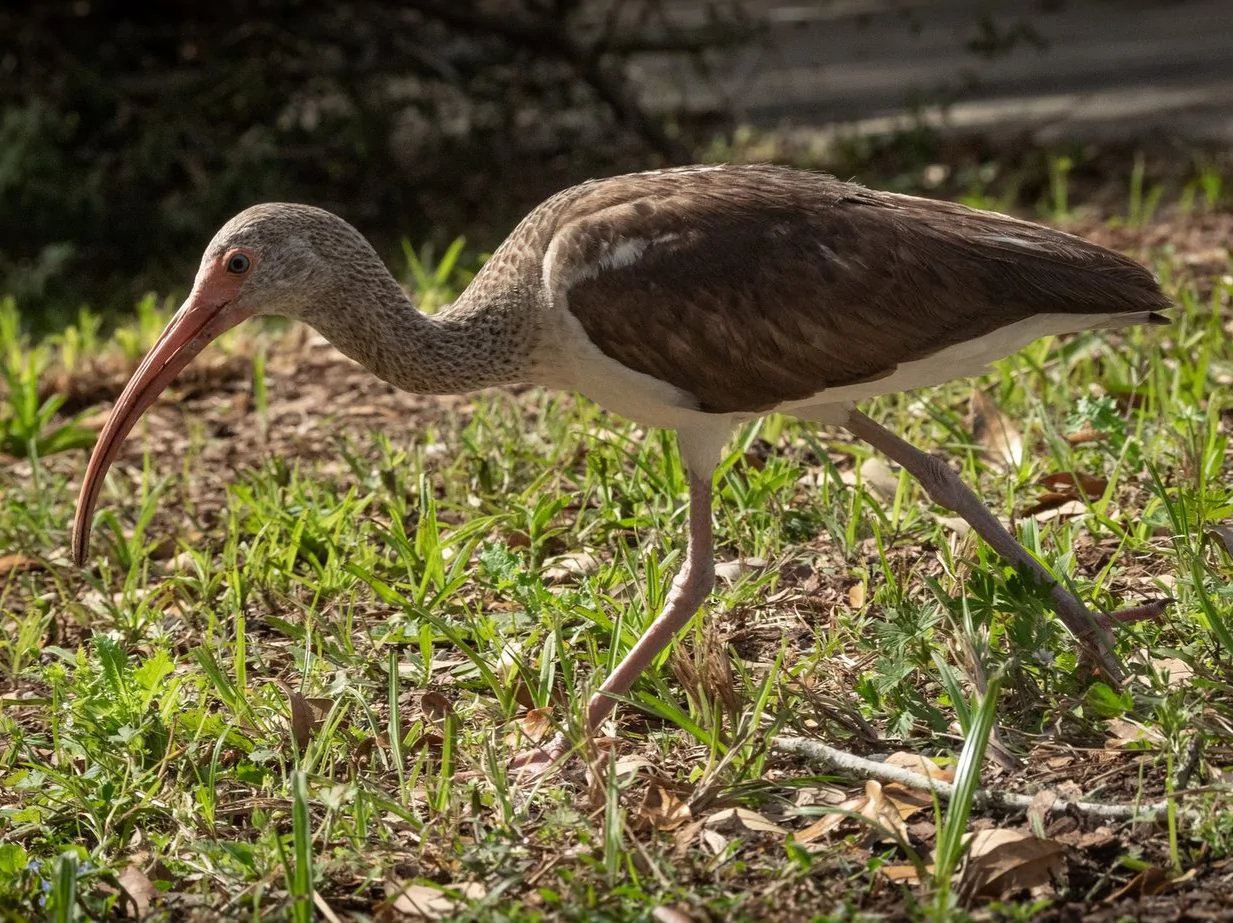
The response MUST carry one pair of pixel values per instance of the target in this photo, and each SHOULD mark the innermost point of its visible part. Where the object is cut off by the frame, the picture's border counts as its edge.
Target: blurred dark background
(130, 130)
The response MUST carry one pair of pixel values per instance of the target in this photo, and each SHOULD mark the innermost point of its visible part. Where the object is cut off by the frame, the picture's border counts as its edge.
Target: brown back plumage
(750, 286)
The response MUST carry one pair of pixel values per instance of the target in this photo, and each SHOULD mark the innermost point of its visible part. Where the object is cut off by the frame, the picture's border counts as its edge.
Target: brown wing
(747, 287)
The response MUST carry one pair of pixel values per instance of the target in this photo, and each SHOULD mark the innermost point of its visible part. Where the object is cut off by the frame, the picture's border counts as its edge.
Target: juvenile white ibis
(691, 299)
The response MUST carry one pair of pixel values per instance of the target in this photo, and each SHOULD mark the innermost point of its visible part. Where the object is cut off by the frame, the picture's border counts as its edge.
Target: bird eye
(238, 263)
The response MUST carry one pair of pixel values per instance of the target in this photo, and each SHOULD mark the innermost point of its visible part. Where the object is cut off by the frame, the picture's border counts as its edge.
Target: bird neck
(472, 344)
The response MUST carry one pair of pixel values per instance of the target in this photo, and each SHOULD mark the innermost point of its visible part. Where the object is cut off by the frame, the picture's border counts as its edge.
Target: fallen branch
(830, 758)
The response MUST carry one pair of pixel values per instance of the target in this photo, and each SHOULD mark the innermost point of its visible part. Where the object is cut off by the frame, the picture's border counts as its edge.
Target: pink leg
(946, 489)
(689, 590)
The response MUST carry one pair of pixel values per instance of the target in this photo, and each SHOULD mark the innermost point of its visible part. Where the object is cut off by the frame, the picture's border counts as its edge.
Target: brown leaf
(1149, 882)
(1174, 669)
(1075, 483)
(900, 874)
(1050, 500)
(16, 564)
(1004, 862)
(1038, 811)
(307, 713)
(531, 728)
(1086, 436)
(1124, 733)
(435, 706)
(732, 571)
(1069, 489)
(740, 820)
(921, 765)
(1067, 509)
(856, 595)
(882, 813)
(663, 809)
(715, 841)
(908, 802)
(999, 438)
(139, 888)
(830, 820)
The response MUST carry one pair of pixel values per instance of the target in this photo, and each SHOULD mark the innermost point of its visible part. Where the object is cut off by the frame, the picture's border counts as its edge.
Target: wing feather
(748, 287)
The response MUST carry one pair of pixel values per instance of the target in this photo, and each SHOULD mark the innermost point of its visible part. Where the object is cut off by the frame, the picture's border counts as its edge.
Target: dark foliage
(131, 130)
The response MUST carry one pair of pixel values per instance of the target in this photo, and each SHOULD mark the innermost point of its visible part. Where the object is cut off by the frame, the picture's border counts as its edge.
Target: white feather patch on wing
(624, 252)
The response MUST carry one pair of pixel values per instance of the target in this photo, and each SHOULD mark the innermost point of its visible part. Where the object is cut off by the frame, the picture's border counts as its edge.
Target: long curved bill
(199, 321)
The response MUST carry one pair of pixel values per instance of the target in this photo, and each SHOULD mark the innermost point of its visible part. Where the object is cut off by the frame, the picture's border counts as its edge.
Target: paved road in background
(1105, 68)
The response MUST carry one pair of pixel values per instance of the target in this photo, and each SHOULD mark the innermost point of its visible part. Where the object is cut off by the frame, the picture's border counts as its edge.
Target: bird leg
(690, 588)
(946, 489)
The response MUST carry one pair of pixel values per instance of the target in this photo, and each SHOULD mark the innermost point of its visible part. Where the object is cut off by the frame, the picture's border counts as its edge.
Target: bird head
(266, 260)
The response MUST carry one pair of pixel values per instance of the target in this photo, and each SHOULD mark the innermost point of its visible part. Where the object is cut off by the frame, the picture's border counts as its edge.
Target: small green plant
(136, 338)
(953, 827)
(1143, 204)
(1057, 206)
(436, 282)
(29, 424)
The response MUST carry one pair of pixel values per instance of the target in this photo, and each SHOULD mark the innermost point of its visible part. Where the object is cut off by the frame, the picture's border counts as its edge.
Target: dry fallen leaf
(428, 902)
(1124, 733)
(1086, 436)
(663, 809)
(921, 765)
(563, 567)
(139, 888)
(856, 595)
(1056, 506)
(531, 728)
(1149, 882)
(1173, 669)
(882, 813)
(738, 820)
(878, 477)
(435, 706)
(307, 713)
(900, 874)
(663, 914)
(715, 841)
(1076, 483)
(1004, 862)
(1068, 493)
(999, 438)
(16, 564)
(732, 571)
(1038, 811)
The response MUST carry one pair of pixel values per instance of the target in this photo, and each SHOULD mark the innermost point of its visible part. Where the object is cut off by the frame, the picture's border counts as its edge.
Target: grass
(313, 634)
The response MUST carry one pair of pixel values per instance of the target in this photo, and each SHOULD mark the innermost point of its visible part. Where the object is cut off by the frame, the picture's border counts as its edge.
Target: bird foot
(538, 761)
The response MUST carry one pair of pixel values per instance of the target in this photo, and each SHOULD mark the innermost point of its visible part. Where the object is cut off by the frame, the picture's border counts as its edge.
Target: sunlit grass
(287, 674)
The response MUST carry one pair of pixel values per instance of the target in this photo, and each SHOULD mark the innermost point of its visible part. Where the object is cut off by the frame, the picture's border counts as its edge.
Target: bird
(690, 298)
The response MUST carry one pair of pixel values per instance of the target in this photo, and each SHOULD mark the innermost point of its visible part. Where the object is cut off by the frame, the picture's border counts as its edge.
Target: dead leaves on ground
(1002, 862)
(419, 901)
(999, 438)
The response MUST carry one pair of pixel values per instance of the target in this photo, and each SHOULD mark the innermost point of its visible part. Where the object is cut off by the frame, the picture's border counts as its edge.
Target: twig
(831, 758)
